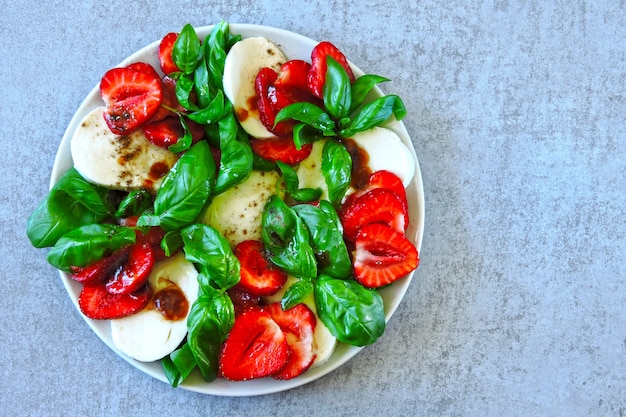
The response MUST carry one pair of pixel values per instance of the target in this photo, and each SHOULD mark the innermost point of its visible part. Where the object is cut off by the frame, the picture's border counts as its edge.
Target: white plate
(295, 47)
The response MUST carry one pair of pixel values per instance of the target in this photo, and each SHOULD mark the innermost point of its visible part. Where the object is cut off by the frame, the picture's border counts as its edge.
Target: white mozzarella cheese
(242, 64)
(236, 213)
(148, 335)
(120, 162)
(325, 342)
(387, 151)
(310, 170)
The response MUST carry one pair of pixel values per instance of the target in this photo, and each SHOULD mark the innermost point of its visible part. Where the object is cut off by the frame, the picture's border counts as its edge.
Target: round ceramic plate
(295, 47)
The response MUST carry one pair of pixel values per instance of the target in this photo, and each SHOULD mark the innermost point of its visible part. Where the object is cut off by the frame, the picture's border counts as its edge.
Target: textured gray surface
(517, 112)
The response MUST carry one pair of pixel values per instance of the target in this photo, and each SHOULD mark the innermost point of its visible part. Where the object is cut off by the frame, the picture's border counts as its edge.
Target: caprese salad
(233, 210)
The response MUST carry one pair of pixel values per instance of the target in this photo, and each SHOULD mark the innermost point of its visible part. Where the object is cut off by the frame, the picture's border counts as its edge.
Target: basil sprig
(344, 111)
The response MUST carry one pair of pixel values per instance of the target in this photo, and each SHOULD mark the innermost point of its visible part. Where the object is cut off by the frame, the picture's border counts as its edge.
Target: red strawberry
(255, 347)
(378, 205)
(299, 324)
(166, 46)
(97, 303)
(153, 237)
(317, 73)
(381, 179)
(262, 84)
(169, 101)
(382, 255)
(242, 299)
(132, 95)
(144, 68)
(258, 275)
(134, 272)
(165, 132)
(293, 74)
(99, 271)
(280, 149)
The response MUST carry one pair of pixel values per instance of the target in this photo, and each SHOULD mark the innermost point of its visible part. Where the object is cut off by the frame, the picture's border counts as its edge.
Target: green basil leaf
(184, 87)
(215, 53)
(205, 246)
(337, 94)
(337, 170)
(354, 314)
(178, 365)
(211, 317)
(135, 203)
(172, 241)
(212, 112)
(303, 134)
(309, 114)
(286, 238)
(201, 83)
(185, 189)
(87, 244)
(374, 114)
(292, 184)
(362, 87)
(236, 158)
(326, 238)
(296, 293)
(183, 143)
(187, 49)
(72, 202)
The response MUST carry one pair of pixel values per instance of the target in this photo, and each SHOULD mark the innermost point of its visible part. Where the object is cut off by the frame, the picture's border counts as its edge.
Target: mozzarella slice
(148, 335)
(242, 64)
(325, 342)
(309, 171)
(236, 213)
(387, 151)
(119, 162)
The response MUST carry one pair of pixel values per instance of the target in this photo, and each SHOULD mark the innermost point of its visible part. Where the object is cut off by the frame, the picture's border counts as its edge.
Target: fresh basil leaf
(211, 317)
(187, 49)
(213, 112)
(178, 365)
(309, 114)
(184, 190)
(326, 238)
(184, 87)
(201, 83)
(171, 242)
(72, 202)
(362, 87)
(337, 94)
(337, 170)
(303, 134)
(354, 314)
(215, 53)
(287, 239)
(292, 185)
(374, 114)
(236, 158)
(296, 293)
(205, 246)
(183, 143)
(87, 244)
(135, 203)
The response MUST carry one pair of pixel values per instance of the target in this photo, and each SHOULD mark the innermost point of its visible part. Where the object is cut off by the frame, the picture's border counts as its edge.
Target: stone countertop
(516, 111)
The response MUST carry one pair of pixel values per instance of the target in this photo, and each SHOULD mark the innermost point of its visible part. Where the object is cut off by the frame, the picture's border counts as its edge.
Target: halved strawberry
(97, 303)
(317, 73)
(258, 275)
(132, 95)
(382, 255)
(242, 299)
(378, 205)
(99, 271)
(381, 179)
(165, 132)
(293, 74)
(280, 149)
(166, 46)
(299, 324)
(134, 273)
(255, 347)
(262, 84)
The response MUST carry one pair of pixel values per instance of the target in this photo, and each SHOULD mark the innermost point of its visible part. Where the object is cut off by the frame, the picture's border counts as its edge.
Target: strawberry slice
(262, 84)
(299, 324)
(134, 273)
(293, 74)
(132, 95)
(382, 256)
(381, 179)
(317, 75)
(99, 271)
(164, 53)
(280, 149)
(255, 347)
(378, 205)
(165, 132)
(97, 303)
(258, 275)
(242, 299)
(169, 101)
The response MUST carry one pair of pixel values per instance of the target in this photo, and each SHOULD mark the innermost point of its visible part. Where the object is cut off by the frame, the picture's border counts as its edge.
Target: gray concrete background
(516, 110)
